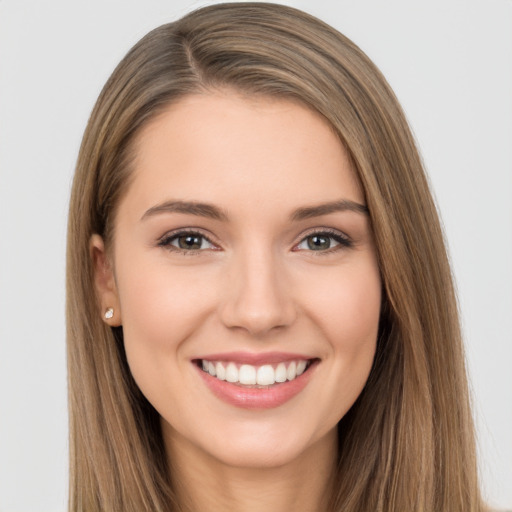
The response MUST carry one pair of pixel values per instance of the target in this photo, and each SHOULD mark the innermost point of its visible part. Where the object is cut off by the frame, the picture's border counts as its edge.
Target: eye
(323, 241)
(186, 241)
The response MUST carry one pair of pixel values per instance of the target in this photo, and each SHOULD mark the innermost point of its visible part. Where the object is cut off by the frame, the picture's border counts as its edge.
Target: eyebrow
(213, 212)
(187, 207)
(344, 205)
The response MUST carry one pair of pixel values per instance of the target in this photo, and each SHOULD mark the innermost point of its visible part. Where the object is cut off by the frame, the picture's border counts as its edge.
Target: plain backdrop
(450, 64)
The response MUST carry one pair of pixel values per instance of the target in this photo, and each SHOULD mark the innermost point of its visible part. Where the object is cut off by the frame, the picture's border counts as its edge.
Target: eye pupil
(317, 242)
(189, 242)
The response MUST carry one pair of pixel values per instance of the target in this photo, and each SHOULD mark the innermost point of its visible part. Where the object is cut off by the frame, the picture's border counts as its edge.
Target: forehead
(229, 148)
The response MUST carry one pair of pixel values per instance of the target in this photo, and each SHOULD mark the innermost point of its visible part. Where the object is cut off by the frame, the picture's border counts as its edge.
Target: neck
(205, 483)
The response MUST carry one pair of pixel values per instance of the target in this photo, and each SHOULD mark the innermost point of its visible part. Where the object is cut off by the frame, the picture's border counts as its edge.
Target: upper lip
(255, 359)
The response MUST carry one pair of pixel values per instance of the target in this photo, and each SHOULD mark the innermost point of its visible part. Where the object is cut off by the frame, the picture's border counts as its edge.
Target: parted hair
(407, 444)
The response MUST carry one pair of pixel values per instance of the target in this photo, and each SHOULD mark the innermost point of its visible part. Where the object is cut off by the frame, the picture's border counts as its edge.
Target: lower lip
(257, 398)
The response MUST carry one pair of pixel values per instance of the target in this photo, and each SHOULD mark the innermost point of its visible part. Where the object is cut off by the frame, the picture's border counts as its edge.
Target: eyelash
(166, 240)
(342, 241)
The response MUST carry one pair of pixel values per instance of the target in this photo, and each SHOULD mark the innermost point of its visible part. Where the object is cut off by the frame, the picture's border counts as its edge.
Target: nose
(257, 299)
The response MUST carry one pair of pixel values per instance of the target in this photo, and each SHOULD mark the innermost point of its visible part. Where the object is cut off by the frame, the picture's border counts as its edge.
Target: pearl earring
(109, 313)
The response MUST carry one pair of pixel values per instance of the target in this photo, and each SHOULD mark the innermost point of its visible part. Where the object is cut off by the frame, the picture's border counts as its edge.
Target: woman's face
(246, 279)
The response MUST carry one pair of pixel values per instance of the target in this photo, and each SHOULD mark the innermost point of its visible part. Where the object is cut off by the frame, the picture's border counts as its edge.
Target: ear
(104, 282)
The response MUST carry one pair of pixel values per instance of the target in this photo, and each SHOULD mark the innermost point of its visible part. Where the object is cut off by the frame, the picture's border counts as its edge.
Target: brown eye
(190, 242)
(186, 241)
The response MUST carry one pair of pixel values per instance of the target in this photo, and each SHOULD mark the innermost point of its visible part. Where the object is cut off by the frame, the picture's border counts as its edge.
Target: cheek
(159, 299)
(161, 309)
(350, 319)
(346, 306)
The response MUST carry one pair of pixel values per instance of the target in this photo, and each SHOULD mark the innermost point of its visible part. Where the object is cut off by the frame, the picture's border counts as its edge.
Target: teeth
(220, 371)
(301, 366)
(291, 373)
(232, 373)
(265, 375)
(250, 375)
(281, 373)
(247, 374)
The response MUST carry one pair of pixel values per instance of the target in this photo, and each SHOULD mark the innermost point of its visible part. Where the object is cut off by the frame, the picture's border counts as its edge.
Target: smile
(251, 375)
(252, 381)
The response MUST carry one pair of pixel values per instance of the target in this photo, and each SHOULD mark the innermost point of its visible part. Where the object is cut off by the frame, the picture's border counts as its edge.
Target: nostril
(257, 299)
(258, 319)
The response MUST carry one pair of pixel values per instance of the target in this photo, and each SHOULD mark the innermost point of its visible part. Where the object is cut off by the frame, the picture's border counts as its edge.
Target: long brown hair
(407, 443)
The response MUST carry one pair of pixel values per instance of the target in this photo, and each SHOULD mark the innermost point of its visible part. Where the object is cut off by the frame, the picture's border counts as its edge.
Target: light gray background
(450, 63)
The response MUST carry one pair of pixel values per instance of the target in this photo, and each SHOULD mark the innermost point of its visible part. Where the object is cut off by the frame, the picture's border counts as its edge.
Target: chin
(261, 445)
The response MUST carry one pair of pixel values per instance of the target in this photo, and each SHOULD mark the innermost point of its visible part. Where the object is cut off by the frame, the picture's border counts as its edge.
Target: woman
(269, 316)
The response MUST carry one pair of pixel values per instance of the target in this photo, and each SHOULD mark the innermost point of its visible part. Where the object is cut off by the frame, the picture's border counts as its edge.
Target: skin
(256, 286)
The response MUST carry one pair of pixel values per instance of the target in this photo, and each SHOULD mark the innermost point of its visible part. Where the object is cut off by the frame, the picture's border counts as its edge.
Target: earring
(109, 313)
